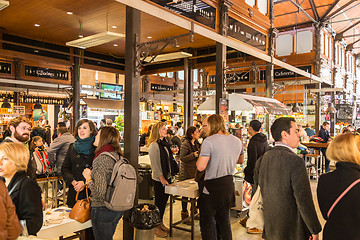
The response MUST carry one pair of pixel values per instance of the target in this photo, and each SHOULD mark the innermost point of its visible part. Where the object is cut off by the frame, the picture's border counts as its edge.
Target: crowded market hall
(179, 119)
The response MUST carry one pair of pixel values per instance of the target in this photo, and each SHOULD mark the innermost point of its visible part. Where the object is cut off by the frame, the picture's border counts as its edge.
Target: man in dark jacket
(289, 211)
(325, 136)
(257, 146)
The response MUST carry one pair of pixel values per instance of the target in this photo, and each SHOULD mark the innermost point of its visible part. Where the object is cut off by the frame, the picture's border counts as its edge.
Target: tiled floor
(239, 232)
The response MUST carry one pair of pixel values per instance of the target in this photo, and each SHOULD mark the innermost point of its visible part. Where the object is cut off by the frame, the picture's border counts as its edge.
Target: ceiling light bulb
(36, 25)
(149, 37)
(80, 36)
(114, 26)
(115, 45)
(69, 13)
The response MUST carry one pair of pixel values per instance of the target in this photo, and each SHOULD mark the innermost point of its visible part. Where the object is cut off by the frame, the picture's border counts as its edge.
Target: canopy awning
(243, 102)
(104, 104)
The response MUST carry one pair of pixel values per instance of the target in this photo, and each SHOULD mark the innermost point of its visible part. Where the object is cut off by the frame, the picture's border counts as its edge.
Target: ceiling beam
(345, 10)
(314, 10)
(329, 10)
(351, 45)
(301, 9)
(338, 10)
(280, 1)
(291, 27)
(304, 9)
(352, 35)
(340, 35)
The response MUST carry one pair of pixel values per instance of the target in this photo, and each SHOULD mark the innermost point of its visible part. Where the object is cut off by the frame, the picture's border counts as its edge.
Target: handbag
(256, 212)
(81, 210)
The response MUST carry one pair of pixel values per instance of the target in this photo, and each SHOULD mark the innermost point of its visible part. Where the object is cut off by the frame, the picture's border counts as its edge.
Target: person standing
(163, 168)
(24, 192)
(342, 219)
(257, 146)
(325, 136)
(289, 211)
(219, 154)
(310, 132)
(59, 125)
(189, 153)
(179, 129)
(20, 128)
(79, 156)
(103, 220)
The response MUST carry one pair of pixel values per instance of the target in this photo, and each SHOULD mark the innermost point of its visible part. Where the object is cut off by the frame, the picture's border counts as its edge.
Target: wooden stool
(316, 165)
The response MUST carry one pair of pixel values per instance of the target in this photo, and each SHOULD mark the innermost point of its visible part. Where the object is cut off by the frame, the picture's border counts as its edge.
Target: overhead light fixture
(115, 45)
(38, 105)
(80, 36)
(69, 13)
(169, 56)
(6, 103)
(95, 40)
(331, 108)
(4, 4)
(149, 37)
(295, 108)
(37, 25)
(114, 26)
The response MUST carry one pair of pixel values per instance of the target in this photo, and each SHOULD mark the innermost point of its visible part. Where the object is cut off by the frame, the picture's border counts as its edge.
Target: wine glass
(174, 149)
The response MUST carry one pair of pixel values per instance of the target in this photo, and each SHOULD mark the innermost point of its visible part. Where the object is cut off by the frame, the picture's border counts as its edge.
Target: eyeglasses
(25, 128)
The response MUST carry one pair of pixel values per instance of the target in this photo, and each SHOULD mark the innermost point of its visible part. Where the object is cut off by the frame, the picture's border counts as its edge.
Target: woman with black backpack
(103, 220)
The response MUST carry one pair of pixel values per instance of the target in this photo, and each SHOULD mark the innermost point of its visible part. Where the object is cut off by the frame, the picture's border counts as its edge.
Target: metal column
(220, 74)
(75, 82)
(188, 94)
(132, 98)
(317, 67)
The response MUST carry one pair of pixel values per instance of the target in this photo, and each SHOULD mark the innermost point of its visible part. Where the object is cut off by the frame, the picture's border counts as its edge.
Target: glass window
(305, 43)
(284, 45)
(250, 2)
(263, 6)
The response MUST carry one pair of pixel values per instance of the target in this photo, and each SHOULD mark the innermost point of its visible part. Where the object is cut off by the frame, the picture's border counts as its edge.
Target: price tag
(19, 110)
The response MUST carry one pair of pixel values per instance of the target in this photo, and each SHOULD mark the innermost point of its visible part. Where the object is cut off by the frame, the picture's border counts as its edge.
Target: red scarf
(106, 148)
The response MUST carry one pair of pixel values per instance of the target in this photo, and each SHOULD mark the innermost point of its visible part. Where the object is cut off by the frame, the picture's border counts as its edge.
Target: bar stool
(312, 162)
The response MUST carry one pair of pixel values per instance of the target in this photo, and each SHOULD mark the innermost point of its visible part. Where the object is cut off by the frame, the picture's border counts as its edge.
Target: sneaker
(160, 233)
(60, 193)
(254, 231)
(243, 221)
(164, 228)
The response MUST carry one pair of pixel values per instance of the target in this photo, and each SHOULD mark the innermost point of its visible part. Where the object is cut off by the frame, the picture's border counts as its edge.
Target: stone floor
(239, 232)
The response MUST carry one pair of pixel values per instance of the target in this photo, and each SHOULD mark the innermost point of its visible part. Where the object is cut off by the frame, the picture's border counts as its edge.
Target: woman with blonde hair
(163, 167)
(339, 191)
(219, 154)
(24, 192)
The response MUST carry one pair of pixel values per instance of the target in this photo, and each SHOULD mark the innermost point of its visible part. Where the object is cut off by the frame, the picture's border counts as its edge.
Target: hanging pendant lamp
(6, 103)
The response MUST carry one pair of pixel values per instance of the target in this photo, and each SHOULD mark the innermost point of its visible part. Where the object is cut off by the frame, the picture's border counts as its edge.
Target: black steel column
(317, 67)
(333, 77)
(220, 74)
(132, 98)
(75, 82)
(188, 94)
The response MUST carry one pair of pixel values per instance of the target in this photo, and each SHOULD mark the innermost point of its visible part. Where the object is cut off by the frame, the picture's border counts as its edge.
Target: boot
(164, 228)
(243, 221)
(185, 215)
(160, 233)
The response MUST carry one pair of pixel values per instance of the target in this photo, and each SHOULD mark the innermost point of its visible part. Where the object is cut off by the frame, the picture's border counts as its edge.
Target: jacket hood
(259, 137)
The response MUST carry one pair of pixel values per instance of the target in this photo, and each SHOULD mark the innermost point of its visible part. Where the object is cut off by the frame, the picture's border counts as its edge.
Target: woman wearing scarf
(104, 221)
(163, 167)
(79, 156)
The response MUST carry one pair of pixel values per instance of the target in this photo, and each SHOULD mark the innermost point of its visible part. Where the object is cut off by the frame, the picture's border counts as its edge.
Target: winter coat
(57, 151)
(345, 216)
(10, 227)
(72, 169)
(324, 134)
(188, 159)
(27, 200)
(257, 146)
(289, 211)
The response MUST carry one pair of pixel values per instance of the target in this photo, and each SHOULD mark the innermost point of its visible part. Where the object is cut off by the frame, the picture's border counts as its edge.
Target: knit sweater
(101, 174)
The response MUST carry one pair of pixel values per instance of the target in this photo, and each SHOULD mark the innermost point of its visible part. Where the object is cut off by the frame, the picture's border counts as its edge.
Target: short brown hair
(91, 125)
(344, 148)
(216, 123)
(62, 130)
(18, 153)
(109, 135)
(17, 120)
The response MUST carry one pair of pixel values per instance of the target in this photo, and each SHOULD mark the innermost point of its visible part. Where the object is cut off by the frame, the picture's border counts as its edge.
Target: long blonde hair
(216, 123)
(155, 133)
(344, 148)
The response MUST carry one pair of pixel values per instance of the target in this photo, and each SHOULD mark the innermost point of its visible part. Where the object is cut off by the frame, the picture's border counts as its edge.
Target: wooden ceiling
(89, 17)
(338, 14)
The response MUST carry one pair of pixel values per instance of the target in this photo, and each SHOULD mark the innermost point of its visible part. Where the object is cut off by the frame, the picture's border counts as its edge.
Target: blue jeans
(104, 222)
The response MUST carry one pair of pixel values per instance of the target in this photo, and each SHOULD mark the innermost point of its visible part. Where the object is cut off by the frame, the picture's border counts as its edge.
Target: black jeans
(214, 223)
(161, 197)
(327, 161)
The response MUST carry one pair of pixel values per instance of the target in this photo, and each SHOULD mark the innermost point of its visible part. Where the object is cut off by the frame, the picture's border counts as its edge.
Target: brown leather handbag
(81, 210)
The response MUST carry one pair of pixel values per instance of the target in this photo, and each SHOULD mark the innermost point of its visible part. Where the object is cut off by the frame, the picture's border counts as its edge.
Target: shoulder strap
(18, 183)
(342, 195)
(112, 156)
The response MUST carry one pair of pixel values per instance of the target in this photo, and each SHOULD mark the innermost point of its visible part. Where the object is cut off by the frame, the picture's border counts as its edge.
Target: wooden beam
(314, 10)
(301, 9)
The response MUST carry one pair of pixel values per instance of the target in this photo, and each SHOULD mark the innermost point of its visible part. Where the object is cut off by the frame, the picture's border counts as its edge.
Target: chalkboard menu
(246, 34)
(285, 73)
(5, 67)
(197, 10)
(46, 73)
(159, 87)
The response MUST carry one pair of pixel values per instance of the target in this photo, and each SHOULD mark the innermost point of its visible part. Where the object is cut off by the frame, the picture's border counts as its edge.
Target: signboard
(283, 73)
(46, 73)
(159, 87)
(20, 110)
(5, 67)
(246, 34)
(112, 87)
(232, 77)
(197, 10)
